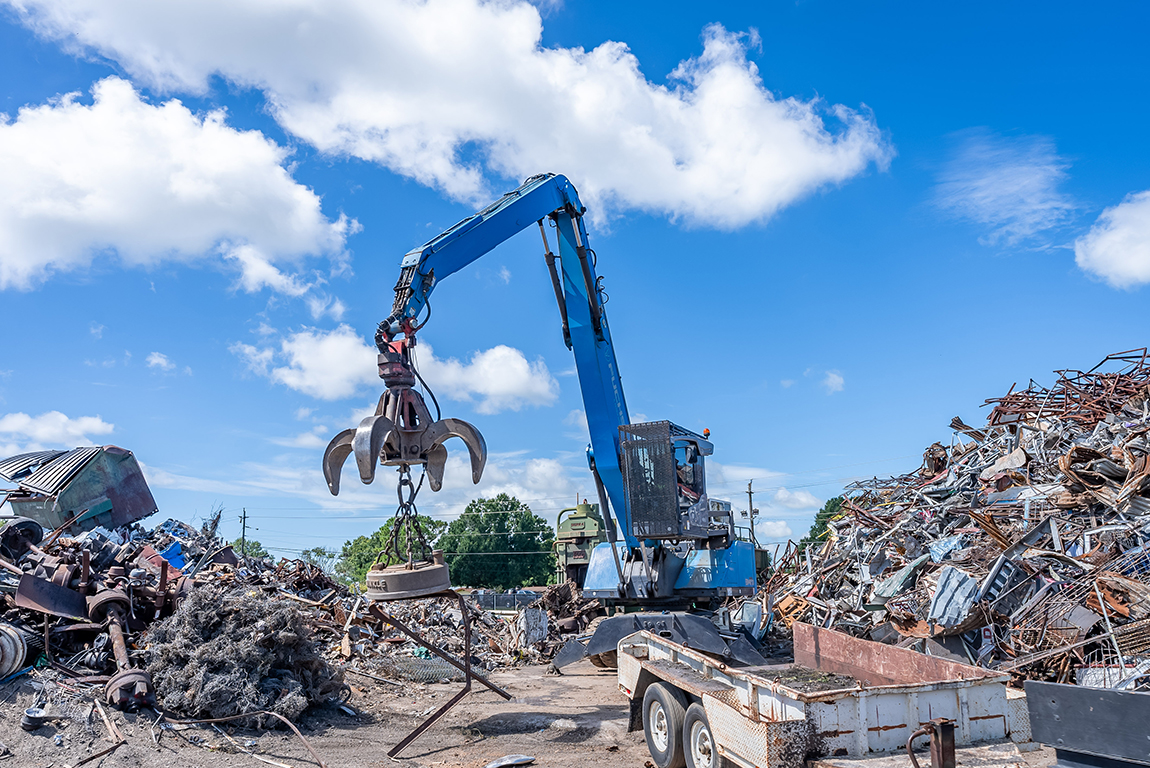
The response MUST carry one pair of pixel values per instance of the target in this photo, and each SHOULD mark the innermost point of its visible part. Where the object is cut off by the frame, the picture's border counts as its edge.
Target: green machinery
(576, 534)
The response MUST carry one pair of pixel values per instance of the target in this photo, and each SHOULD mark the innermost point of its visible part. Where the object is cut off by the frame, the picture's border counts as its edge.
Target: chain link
(406, 531)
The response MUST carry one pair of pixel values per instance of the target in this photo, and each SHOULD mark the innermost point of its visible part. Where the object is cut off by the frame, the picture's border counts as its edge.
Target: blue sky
(825, 229)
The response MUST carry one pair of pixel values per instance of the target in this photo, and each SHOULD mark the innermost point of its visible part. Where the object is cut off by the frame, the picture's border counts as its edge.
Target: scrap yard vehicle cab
(670, 557)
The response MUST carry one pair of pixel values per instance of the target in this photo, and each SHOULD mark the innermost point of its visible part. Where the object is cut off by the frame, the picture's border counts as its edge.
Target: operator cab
(665, 483)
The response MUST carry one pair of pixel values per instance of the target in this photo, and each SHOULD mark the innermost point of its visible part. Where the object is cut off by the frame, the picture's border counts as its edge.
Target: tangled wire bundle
(227, 653)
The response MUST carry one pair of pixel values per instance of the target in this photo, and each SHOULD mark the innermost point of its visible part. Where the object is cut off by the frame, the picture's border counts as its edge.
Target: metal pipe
(116, 633)
(910, 750)
(162, 588)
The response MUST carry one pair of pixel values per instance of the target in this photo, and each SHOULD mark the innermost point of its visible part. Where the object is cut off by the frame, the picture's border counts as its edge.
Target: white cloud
(336, 364)
(787, 383)
(96, 329)
(1009, 185)
(1117, 247)
(501, 378)
(303, 413)
(451, 92)
(318, 437)
(52, 429)
(160, 360)
(729, 481)
(257, 360)
(799, 499)
(321, 304)
(153, 184)
(833, 382)
(329, 365)
(768, 530)
(505, 274)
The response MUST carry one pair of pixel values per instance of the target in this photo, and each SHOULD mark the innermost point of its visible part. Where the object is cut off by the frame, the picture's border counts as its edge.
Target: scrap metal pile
(1021, 546)
(173, 617)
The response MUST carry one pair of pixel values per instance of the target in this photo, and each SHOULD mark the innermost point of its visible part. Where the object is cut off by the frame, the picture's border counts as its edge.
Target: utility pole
(244, 533)
(751, 511)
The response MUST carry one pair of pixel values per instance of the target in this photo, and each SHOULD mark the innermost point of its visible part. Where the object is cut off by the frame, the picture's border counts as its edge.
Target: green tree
(358, 554)
(320, 556)
(250, 548)
(486, 542)
(815, 537)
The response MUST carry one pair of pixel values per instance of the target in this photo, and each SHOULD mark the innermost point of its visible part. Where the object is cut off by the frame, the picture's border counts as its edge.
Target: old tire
(699, 747)
(664, 708)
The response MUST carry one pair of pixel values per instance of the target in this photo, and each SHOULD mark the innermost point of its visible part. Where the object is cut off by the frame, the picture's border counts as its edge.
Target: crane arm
(585, 329)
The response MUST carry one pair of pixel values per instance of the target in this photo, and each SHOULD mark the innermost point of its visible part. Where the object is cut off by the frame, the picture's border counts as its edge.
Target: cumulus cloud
(160, 360)
(1117, 247)
(453, 92)
(767, 530)
(500, 379)
(151, 184)
(1008, 185)
(799, 499)
(336, 364)
(53, 429)
(833, 382)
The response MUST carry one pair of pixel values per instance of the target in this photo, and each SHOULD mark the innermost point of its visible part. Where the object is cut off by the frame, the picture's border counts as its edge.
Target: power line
(772, 476)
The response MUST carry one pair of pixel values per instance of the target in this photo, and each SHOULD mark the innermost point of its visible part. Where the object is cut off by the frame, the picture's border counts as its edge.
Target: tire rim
(702, 752)
(660, 733)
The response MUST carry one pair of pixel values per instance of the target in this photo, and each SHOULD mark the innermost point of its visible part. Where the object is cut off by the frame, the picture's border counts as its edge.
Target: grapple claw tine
(368, 442)
(436, 461)
(476, 445)
(334, 457)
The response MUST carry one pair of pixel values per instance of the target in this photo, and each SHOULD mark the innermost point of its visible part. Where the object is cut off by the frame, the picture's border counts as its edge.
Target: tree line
(497, 543)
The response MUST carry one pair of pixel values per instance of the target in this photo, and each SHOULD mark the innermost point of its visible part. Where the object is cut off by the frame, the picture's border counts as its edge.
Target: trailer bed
(770, 716)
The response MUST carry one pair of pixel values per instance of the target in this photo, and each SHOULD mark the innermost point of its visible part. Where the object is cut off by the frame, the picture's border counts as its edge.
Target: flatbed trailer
(697, 711)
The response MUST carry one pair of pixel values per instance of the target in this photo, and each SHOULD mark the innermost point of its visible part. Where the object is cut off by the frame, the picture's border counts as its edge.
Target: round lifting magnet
(400, 582)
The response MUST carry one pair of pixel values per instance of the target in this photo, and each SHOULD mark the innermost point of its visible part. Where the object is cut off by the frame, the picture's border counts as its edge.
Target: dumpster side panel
(987, 711)
(837, 726)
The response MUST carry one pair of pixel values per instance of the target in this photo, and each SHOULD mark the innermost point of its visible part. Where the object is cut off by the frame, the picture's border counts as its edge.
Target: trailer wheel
(663, 711)
(699, 744)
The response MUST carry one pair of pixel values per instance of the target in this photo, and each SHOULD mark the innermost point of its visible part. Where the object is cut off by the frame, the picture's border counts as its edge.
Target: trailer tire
(664, 708)
(699, 746)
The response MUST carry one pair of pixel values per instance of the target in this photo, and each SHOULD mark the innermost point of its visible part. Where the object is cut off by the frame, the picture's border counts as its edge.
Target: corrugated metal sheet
(953, 598)
(54, 475)
(14, 466)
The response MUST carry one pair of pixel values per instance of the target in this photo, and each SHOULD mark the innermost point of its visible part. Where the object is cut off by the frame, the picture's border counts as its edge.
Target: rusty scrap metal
(1045, 511)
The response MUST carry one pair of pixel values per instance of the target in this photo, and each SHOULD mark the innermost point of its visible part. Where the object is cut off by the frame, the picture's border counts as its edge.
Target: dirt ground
(578, 719)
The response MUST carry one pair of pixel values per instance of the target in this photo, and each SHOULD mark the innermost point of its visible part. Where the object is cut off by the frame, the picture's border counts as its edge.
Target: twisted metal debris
(1021, 545)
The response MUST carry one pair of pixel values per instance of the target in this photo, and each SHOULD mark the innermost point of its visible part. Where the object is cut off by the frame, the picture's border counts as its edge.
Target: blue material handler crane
(672, 557)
